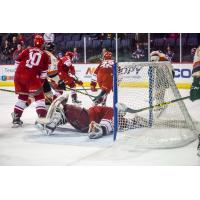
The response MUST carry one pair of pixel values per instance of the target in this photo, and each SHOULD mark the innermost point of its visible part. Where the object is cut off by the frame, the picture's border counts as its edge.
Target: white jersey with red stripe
(53, 68)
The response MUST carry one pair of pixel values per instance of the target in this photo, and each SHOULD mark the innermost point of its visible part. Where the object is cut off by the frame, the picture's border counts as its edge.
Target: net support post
(150, 72)
(115, 101)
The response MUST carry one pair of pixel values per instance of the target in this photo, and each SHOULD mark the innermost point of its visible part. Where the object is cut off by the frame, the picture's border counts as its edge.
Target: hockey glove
(95, 130)
(79, 82)
(195, 89)
(93, 86)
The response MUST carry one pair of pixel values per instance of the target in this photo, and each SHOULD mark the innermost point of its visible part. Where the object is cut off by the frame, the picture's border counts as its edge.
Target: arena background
(88, 47)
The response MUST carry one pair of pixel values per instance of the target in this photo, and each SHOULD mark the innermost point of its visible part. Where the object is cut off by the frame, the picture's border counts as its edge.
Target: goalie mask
(154, 56)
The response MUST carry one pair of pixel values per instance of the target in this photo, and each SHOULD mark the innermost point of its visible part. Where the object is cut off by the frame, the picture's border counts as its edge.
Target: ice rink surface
(26, 146)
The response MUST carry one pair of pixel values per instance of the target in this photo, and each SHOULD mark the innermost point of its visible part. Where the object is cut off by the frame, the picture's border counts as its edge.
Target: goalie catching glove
(95, 130)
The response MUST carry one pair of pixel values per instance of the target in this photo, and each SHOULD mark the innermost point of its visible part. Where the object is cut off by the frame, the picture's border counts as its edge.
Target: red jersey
(65, 68)
(80, 118)
(105, 67)
(104, 75)
(32, 63)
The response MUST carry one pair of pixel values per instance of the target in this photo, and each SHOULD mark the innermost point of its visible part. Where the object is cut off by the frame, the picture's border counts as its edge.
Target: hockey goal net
(146, 84)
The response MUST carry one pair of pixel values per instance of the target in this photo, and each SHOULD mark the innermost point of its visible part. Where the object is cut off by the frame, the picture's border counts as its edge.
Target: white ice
(28, 146)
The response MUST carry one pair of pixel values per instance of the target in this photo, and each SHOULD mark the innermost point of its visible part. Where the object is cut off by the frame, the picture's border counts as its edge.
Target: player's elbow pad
(43, 75)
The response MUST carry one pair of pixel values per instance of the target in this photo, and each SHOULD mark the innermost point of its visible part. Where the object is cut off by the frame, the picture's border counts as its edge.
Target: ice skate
(16, 121)
(75, 100)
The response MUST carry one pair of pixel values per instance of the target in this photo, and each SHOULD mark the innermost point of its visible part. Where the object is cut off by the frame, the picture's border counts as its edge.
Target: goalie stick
(122, 107)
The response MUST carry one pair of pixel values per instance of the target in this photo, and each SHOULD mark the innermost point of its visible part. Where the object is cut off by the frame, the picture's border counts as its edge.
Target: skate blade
(16, 125)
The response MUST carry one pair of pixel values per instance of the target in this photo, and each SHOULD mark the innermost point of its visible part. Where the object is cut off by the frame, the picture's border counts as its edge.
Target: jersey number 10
(34, 59)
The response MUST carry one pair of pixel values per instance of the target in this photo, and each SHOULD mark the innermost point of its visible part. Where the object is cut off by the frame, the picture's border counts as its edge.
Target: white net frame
(143, 84)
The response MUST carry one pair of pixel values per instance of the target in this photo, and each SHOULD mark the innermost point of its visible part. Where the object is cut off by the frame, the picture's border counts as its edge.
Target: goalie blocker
(97, 120)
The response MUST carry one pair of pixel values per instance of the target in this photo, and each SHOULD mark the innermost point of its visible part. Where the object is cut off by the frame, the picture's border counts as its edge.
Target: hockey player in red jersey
(97, 120)
(66, 73)
(103, 75)
(31, 71)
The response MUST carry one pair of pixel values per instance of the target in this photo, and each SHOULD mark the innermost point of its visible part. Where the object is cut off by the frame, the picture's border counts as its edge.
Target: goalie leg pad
(55, 116)
(48, 127)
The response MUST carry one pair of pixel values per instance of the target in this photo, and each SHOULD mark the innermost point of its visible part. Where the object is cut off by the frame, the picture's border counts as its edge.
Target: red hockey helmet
(107, 55)
(38, 41)
(70, 54)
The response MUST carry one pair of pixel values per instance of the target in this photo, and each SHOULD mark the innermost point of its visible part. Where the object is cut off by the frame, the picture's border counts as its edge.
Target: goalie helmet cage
(144, 84)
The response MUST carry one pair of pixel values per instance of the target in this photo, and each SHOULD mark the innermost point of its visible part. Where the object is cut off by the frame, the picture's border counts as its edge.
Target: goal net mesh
(147, 84)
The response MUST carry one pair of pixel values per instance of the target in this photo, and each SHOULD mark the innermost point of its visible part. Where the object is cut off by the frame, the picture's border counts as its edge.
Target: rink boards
(183, 76)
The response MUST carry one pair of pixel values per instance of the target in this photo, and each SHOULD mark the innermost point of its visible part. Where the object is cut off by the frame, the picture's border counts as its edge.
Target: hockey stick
(86, 92)
(68, 88)
(124, 108)
(24, 93)
(6, 90)
(87, 89)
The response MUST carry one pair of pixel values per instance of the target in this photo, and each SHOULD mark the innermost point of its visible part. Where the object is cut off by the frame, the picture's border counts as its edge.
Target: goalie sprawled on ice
(97, 120)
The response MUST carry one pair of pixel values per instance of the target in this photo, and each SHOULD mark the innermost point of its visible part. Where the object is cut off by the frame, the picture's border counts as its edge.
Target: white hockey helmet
(155, 56)
(49, 37)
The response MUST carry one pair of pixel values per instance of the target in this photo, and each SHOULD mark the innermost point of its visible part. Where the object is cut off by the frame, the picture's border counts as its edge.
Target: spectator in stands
(10, 36)
(17, 51)
(191, 56)
(13, 45)
(109, 36)
(169, 53)
(5, 49)
(138, 54)
(93, 36)
(75, 57)
(0, 40)
(102, 36)
(21, 39)
(173, 35)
